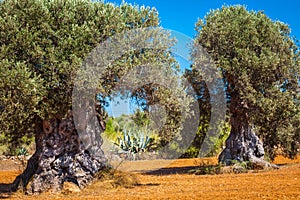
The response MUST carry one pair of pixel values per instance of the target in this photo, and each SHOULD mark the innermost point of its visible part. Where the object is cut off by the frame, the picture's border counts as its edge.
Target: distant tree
(43, 44)
(140, 118)
(259, 62)
(199, 86)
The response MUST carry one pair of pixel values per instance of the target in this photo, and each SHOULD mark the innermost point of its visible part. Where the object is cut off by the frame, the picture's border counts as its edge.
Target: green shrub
(216, 143)
(206, 168)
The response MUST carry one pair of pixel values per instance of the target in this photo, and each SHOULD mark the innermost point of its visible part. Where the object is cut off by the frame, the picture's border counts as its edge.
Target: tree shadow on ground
(184, 170)
(170, 171)
(5, 190)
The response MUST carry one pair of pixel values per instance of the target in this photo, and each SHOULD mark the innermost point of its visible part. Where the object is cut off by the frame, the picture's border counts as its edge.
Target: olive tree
(43, 44)
(259, 61)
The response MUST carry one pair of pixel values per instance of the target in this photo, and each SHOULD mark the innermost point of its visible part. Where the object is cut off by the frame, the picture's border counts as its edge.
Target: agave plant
(22, 152)
(133, 143)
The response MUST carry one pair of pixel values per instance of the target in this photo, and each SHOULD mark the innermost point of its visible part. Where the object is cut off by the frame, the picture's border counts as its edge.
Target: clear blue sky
(181, 15)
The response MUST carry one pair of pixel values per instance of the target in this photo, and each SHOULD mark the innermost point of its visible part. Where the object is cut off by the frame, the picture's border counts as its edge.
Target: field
(175, 182)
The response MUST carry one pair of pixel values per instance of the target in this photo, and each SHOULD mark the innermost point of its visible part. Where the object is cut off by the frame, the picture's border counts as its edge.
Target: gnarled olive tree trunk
(243, 144)
(60, 157)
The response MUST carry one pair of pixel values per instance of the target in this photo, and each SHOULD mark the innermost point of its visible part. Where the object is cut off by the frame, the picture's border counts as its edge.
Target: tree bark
(60, 157)
(243, 144)
(23, 179)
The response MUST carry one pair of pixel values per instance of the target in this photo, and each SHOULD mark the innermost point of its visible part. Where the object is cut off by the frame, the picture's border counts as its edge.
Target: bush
(218, 142)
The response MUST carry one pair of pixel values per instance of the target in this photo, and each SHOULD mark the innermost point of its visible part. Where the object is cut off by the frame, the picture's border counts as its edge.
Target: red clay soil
(174, 182)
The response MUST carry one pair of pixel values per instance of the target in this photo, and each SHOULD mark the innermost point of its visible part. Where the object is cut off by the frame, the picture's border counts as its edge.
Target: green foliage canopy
(260, 64)
(43, 44)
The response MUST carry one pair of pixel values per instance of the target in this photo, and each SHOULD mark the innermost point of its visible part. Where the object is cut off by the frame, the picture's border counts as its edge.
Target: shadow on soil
(170, 170)
(5, 190)
(182, 170)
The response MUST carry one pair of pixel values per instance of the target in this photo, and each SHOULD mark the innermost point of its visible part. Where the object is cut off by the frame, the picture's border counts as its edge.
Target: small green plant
(207, 168)
(236, 167)
(247, 165)
(22, 152)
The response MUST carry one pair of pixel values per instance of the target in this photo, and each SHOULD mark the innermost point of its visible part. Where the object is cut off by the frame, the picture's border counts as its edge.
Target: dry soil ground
(174, 182)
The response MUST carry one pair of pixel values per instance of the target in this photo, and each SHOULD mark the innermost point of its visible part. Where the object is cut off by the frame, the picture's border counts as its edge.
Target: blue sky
(181, 16)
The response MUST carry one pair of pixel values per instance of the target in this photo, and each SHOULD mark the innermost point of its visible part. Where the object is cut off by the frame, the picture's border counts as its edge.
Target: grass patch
(205, 168)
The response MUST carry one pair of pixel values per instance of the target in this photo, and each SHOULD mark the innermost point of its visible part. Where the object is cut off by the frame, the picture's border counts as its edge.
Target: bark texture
(60, 157)
(243, 144)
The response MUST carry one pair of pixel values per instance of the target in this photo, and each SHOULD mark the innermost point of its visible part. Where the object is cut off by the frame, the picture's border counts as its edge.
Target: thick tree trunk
(243, 144)
(60, 157)
(23, 179)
